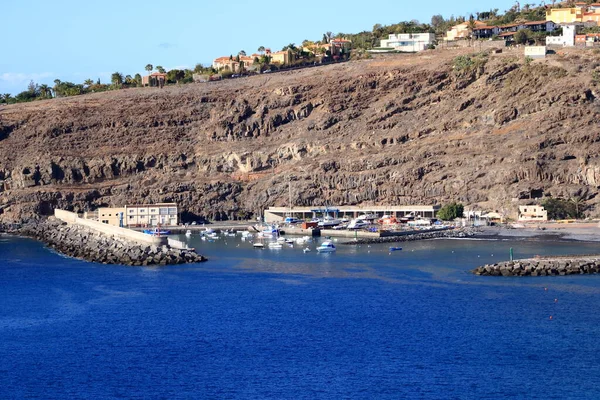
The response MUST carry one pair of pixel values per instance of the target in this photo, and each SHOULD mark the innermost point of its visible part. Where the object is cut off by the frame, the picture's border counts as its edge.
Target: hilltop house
(461, 31)
(281, 57)
(154, 79)
(566, 39)
(409, 42)
(581, 12)
(508, 31)
(231, 63)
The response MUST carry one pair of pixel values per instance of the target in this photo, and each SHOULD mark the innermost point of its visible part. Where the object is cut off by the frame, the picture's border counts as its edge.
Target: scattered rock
(552, 266)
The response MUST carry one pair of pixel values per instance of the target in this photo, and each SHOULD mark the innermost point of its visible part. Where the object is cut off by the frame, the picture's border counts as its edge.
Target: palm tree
(261, 49)
(471, 25)
(88, 82)
(160, 69)
(149, 68)
(128, 79)
(45, 91)
(117, 79)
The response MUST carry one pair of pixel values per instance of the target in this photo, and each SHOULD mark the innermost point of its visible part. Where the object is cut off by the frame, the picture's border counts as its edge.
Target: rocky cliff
(401, 129)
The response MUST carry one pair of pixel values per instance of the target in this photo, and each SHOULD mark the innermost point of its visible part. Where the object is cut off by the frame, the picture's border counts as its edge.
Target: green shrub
(563, 209)
(451, 211)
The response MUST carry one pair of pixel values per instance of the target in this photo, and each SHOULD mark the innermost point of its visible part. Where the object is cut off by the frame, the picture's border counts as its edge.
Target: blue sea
(362, 323)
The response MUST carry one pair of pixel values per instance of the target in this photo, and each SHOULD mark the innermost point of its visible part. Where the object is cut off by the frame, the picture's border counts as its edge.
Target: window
(153, 210)
(131, 211)
(142, 210)
(131, 217)
(143, 217)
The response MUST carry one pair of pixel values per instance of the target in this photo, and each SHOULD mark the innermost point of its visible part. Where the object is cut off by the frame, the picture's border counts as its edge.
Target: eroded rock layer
(400, 130)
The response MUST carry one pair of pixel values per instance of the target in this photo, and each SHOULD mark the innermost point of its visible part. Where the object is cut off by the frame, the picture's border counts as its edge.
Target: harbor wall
(543, 266)
(122, 233)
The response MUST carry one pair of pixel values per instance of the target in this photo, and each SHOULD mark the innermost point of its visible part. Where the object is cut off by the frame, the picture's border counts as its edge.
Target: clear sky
(73, 40)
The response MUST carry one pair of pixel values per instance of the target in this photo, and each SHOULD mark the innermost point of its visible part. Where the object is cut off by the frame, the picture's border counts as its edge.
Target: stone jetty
(87, 244)
(543, 266)
(441, 234)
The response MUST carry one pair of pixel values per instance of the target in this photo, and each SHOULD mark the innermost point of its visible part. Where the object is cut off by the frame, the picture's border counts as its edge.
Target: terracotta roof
(536, 22)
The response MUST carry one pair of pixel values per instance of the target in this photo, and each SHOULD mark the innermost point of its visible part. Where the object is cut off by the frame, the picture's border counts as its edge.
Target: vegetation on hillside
(299, 54)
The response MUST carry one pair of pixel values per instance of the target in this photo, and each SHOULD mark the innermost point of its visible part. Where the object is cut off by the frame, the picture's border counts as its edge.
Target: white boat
(275, 245)
(306, 250)
(289, 241)
(358, 223)
(281, 240)
(326, 247)
(329, 222)
(258, 245)
(188, 233)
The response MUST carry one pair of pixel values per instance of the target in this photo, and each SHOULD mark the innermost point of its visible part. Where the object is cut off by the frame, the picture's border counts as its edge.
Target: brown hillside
(392, 130)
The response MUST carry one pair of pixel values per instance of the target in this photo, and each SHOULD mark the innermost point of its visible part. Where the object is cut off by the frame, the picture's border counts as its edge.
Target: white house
(409, 42)
(566, 39)
(532, 213)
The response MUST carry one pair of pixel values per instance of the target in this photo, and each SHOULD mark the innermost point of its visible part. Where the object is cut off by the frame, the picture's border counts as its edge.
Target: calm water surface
(283, 324)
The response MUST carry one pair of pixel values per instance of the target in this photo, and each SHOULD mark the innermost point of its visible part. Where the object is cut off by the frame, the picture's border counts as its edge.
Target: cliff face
(398, 130)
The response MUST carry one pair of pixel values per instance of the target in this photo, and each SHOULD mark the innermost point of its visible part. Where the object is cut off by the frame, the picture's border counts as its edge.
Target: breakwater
(87, 244)
(543, 266)
(409, 237)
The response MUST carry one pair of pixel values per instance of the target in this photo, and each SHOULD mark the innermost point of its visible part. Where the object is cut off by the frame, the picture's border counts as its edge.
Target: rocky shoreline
(543, 266)
(449, 234)
(86, 244)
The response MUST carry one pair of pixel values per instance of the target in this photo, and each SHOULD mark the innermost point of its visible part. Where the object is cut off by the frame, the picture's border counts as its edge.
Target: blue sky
(73, 40)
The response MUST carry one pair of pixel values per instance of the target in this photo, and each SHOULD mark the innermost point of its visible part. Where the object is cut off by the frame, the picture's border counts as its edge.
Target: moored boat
(326, 247)
(157, 232)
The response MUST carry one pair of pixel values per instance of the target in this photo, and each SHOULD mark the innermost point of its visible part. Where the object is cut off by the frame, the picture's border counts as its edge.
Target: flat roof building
(278, 214)
(139, 215)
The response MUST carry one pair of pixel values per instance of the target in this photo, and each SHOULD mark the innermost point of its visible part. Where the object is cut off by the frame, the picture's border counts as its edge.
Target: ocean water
(283, 324)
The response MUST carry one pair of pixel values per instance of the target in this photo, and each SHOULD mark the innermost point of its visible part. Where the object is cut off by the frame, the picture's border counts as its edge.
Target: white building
(535, 51)
(151, 214)
(566, 39)
(532, 213)
(409, 42)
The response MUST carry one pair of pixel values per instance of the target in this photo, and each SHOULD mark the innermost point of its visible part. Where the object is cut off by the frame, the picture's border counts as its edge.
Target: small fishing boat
(306, 250)
(395, 248)
(275, 245)
(258, 245)
(188, 233)
(326, 247)
(157, 232)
